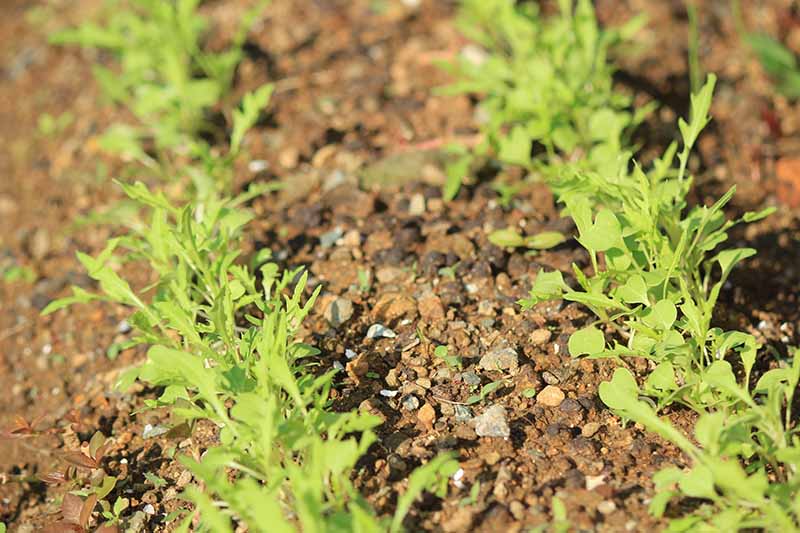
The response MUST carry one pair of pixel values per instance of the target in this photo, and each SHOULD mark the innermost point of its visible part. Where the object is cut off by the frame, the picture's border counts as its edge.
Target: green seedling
(474, 493)
(15, 273)
(778, 62)
(452, 361)
(364, 280)
(486, 390)
(51, 126)
(546, 86)
(659, 279)
(450, 271)
(168, 80)
(222, 348)
(745, 463)
(511, 238)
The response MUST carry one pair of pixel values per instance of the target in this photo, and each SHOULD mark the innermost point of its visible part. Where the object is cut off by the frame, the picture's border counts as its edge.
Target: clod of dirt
(550, 396)
(492, 423)
(427, 416)
(502, 358)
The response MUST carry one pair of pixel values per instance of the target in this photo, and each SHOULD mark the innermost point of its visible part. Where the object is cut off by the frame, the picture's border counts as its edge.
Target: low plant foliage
(221, 329)
(657, 265)
(546, 88)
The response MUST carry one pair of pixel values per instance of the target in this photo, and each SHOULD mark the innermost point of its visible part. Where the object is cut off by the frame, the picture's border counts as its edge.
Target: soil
(354, 131)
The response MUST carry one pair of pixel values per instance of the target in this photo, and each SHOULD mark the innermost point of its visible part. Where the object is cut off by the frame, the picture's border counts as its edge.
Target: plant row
(221, 328)
(656, 266)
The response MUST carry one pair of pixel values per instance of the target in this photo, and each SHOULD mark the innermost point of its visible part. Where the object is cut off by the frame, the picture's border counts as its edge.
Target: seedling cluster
(656, 264)
(221, 330)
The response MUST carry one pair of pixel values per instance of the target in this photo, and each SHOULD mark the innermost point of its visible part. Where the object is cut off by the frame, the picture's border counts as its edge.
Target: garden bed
(354, 133)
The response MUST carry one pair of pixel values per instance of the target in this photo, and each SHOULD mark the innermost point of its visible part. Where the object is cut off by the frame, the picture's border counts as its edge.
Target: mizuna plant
(546, 88)
(221, 331)
(167, 80)
(654, 283)
(222, 346)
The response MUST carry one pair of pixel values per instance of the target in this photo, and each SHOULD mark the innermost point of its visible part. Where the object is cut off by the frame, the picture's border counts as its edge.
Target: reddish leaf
(71, 508)
(80, 459)
(62, 527)
(96, 443)
(86, 510)
(54, 478)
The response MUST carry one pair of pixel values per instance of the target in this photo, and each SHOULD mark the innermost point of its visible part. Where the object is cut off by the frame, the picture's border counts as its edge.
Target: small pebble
(471, 378)
(338, 312)
(540, 336)
(410, 403)
(463, 413)
(492, 423)
(416, 206)
(550, 378)
(550, 396)
(388, 393)
(151, 431)
(606, 507)
(328, 239)
(503, 358)
(427, 416)
(589, 429)
(570, 406)
(376, 331)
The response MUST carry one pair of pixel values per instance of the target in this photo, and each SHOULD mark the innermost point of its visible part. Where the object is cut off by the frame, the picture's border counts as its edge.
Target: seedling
(511, 238)
(452, 361)
(486, 390)
(547, 89)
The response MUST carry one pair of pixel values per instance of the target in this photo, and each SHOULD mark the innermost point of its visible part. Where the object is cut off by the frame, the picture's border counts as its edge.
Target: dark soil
(354, 132)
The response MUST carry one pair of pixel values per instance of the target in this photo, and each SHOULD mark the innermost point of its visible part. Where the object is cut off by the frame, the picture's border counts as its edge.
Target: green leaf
(604, 233)
(456, 172)
(698, 483)
(516, 147)
(662, 378)
(506, 238)
(634, 291)
(545, 240)
(546, 286)
(245, 117)
(661, 316)
(586, 341)
(423, 478)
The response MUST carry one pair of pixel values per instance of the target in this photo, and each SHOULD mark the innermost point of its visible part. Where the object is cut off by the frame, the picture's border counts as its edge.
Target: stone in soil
(492, 423)
(427, 416)
(550, 396)
(338, 312)
(410, 403)
(430, 307)
(503, 358)
(377, 331)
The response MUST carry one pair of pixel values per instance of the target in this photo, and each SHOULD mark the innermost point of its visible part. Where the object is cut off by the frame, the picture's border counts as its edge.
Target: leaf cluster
(546, 87)
(169, 81)
(223, 349)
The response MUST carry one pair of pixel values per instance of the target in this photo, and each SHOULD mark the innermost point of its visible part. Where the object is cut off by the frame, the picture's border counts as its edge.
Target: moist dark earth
(354, 133)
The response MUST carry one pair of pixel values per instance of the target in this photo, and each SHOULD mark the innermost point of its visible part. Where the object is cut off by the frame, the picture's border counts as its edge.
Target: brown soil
(351, 124)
